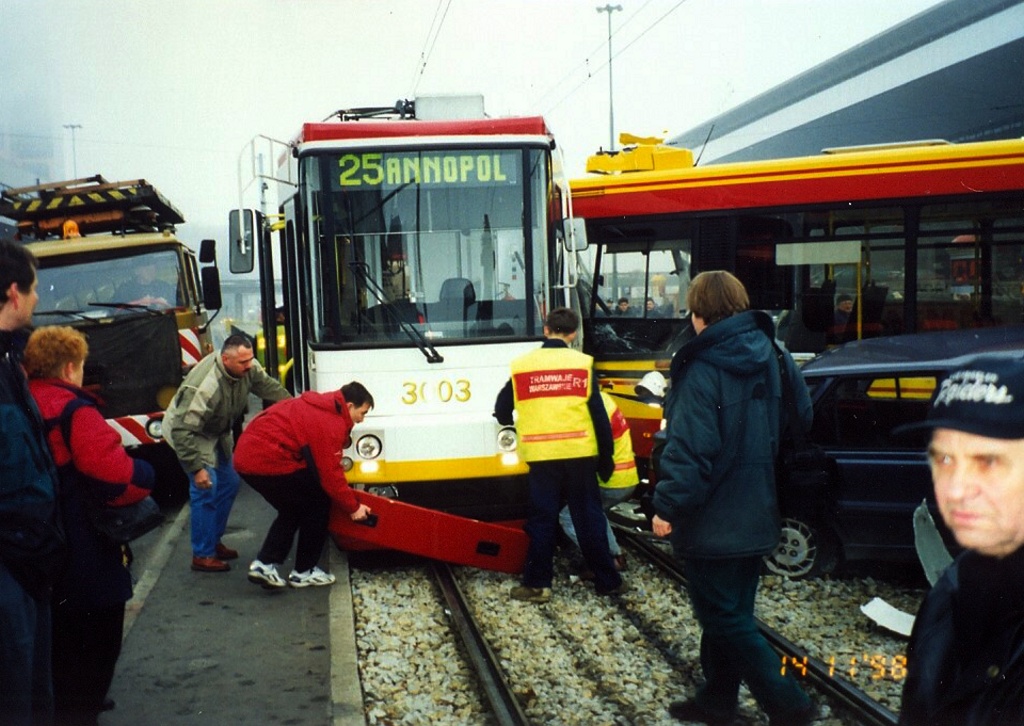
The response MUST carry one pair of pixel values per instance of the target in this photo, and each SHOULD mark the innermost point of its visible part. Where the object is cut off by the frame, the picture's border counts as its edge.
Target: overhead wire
(428, 43)
(617, 53)
(586, 61)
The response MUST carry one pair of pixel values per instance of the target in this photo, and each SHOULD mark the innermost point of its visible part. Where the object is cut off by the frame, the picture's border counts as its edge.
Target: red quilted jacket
(96, 450)
(285, 437)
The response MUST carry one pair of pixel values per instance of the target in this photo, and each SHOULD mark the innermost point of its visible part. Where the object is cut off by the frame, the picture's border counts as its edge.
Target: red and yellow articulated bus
(919, 236)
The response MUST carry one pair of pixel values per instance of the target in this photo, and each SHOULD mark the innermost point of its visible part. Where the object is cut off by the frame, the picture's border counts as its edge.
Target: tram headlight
(155, 428)
(368, 446)
(508, 441)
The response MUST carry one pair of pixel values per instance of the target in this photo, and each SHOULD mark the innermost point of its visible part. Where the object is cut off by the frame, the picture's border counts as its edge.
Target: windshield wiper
(64, 313)
(362, 270)
(127, 306)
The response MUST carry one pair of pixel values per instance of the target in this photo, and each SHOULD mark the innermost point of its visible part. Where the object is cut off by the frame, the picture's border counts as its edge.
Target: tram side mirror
(575, 230)
(241, 240)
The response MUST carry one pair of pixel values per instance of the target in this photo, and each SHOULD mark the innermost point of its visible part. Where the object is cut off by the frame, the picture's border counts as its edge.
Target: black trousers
(86, 645)
(303, 507)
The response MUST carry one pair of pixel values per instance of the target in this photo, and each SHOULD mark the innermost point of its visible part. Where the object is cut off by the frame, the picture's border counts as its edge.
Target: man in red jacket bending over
(291, 454)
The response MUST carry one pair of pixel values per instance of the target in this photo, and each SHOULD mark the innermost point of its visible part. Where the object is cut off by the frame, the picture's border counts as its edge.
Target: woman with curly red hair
(89, 600)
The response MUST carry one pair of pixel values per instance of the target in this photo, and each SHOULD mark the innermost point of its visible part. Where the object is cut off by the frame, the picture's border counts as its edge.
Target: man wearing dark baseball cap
(966, 652)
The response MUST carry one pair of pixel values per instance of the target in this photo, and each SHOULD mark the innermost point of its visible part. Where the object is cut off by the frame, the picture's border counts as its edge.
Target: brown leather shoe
(226, 553)
(209, 564)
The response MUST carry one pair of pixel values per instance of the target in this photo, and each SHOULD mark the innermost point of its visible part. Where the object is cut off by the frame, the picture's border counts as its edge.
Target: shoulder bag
(801, 467)
(124, 524)
(120, 525)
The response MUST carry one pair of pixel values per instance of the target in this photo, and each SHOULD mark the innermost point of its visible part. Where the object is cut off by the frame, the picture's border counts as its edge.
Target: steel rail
(864, 707)
(496, 688)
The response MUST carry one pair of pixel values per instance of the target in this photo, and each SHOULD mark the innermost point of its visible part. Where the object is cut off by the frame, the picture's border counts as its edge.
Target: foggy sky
(172, 90)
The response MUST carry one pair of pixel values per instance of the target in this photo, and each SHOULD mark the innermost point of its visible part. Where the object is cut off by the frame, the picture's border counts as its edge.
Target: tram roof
(405, 128)
(884, 172)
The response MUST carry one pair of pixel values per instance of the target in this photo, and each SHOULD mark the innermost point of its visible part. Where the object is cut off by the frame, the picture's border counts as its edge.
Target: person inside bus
(839, 332)
(622, 308)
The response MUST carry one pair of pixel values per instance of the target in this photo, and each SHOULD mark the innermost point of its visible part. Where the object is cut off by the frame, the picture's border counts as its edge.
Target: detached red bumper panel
(430, 533)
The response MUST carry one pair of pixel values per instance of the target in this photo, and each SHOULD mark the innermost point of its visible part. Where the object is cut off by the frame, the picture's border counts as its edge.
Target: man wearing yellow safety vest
(619, 487)
(565, 437)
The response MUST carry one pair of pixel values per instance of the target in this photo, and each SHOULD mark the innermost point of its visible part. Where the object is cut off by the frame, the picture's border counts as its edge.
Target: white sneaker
(265, 576)
(315, 577)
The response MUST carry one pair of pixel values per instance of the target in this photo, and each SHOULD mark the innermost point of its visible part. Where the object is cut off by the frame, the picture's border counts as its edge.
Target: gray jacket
(205, 406)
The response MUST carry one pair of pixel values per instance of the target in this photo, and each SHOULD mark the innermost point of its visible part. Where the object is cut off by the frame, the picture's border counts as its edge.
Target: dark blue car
(861, 392)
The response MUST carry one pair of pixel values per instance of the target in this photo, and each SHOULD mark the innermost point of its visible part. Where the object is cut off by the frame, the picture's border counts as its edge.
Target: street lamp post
(74, 151)
(611, 105)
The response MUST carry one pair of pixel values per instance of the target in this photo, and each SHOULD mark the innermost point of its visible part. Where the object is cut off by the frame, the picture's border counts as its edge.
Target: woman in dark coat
(89, 600)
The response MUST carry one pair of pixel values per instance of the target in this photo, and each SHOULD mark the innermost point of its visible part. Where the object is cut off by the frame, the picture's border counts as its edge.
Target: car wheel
(803, 551)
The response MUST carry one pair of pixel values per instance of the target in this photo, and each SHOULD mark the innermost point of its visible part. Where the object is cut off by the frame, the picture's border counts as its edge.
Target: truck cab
(111, 266)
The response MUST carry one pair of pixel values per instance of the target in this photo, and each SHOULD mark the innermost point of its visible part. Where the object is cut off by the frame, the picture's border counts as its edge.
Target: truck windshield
(451, 242)
(101, 286)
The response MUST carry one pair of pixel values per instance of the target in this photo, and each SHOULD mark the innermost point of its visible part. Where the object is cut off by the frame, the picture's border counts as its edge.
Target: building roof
(954, 71)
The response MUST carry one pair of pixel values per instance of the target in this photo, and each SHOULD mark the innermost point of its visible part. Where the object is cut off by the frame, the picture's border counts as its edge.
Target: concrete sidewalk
(212, 648)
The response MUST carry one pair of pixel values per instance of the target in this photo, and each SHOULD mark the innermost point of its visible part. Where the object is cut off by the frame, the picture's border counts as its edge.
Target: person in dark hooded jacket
(291, 454)
(716, 499)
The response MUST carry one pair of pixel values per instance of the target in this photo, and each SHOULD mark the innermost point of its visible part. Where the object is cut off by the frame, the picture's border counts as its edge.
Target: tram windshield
(449, 242)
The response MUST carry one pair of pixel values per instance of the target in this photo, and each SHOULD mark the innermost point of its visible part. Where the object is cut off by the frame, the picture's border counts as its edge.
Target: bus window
(638, 286)
(969, 267)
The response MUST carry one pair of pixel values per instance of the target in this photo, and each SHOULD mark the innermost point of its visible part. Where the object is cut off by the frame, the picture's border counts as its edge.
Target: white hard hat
(652, 384)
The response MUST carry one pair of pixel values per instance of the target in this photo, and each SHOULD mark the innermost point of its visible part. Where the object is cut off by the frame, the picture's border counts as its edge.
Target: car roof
(946, 350)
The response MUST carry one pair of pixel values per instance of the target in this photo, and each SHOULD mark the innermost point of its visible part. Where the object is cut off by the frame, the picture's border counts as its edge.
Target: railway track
(820, 674)
(580, 659)
(493, 681)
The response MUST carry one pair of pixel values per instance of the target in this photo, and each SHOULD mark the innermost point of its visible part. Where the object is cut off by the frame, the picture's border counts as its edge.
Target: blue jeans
(573, 481)
(609, 498)
(732, 649)
(26, 691)
(211, 507)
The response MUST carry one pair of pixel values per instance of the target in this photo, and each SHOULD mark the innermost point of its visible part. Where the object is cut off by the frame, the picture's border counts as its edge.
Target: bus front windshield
(451, 242)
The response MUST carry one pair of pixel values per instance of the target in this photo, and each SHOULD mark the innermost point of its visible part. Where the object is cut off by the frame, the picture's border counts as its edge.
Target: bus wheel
(804, 550)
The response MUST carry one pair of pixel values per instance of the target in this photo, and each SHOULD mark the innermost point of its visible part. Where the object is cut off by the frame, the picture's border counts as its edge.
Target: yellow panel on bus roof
(644, 157)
